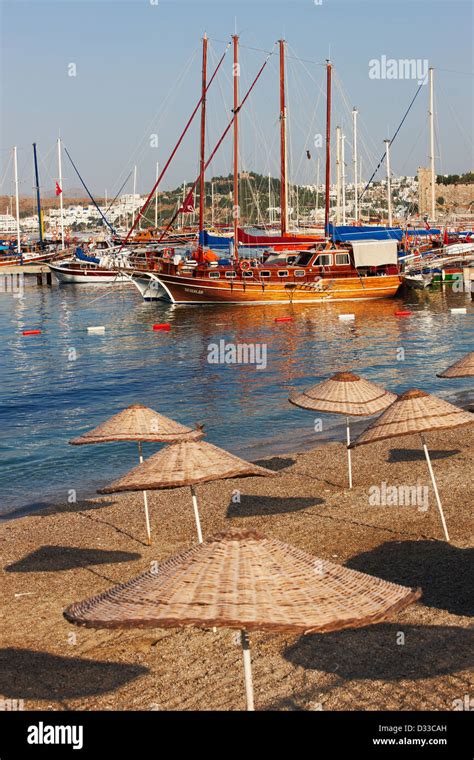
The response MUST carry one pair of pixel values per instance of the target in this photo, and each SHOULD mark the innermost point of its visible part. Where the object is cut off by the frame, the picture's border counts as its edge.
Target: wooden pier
(41, 271)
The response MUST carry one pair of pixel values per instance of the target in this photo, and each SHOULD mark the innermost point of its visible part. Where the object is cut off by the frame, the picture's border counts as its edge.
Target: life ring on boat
(244, 265)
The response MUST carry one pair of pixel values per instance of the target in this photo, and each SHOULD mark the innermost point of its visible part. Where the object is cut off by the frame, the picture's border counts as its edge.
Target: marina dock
(40, 271)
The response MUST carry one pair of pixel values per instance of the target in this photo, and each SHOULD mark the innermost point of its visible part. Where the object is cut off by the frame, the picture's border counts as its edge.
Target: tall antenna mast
(328, 145)
(283, 161)
(236, 209)
(202, 157)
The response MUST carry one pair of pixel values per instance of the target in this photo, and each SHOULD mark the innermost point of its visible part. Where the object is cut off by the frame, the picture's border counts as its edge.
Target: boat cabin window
(304, 258)
(247, 274)
(265, 274)
(283, 273)
(230, 275)
(342, 259)
(323, 260)
(214, 275)
(281, 258)
(299, 273)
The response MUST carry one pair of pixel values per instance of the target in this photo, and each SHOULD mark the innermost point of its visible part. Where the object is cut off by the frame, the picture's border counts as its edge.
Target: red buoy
(163, 326)
(31, 332)
(283, 319)
(402, 313)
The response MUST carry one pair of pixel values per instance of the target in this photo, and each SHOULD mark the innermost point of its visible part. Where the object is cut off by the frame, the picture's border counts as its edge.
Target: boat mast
(156, 195)
(17, 201)
(343, 176)
(354, 163)
(270, 219)
(283, 161)
(328, 144)
(317, 191)
(134, 194)
(60, 172)
(389, 187)
(202, 157)
(432, 149)
(236, 208)
(212, 203)
(38, 198)
(338, 175)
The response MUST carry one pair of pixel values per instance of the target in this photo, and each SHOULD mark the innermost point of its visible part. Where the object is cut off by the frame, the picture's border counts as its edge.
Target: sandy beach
(67, 553)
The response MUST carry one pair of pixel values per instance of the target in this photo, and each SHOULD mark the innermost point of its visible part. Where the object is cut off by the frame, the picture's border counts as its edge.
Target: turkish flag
(445, 236)
(58, 189)
(188, 205)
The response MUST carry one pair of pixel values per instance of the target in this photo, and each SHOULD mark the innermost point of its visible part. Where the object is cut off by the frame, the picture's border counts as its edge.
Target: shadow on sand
(52, 558)
(376, 652)
(250, 506)
(444, 572)
(276, 463)
(415, 455)
(28, 674)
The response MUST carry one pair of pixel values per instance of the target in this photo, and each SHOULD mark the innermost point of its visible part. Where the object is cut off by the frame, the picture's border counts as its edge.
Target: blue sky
(138, 73)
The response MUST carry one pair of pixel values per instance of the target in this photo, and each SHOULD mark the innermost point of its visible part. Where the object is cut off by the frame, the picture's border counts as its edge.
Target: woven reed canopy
(414, 412)
(185, 464)
(464, 367)
(241, 579)
(345, 393)
(138, 423)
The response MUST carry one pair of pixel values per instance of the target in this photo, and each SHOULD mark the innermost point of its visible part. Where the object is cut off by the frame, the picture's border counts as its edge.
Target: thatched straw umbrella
(464, 367)
(417, 412)
(139, 423)
(345, 393)
(186, 464)
(245, 581)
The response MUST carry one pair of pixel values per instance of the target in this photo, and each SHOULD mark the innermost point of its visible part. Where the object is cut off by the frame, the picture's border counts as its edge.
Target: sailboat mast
(156, 195)
(202, 157)
(38, 198)
(354, 163)
(343, 177)
(389, 186)
(328, 144)
(236, 209)
(61, 210)
(17, 201)
(432, 149)
(283, 161)
(338, 175)
(317, 191)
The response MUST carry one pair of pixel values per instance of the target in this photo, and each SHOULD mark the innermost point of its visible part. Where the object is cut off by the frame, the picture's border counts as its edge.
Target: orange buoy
(283, 319)
(164, 326)
(31, 332)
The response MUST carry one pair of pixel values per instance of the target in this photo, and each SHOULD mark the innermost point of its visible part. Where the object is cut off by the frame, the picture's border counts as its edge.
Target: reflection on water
(58, 384)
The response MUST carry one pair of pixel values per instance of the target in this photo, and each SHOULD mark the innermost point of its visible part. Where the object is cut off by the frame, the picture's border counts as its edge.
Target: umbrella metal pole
(196, 514)
(349, 458)
(435, 488)
(247, 670)
(145, 499)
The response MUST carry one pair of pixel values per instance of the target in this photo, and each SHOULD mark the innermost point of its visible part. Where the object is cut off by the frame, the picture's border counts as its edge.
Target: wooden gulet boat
(327, 272)
(323, 275)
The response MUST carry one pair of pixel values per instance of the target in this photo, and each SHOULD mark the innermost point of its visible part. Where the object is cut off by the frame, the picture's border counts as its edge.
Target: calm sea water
(65, 381)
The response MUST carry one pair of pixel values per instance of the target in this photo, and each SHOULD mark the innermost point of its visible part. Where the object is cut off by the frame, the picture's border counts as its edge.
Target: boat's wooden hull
(180, 289)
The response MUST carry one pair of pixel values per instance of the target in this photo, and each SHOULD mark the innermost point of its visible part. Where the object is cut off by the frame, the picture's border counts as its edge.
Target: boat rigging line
(123, 185)
(163, 171)
(88, 192)
(221, 139)
(392, 140)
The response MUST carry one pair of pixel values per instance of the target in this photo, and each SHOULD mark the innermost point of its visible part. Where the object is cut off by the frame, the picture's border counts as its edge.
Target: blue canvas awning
(346, 233)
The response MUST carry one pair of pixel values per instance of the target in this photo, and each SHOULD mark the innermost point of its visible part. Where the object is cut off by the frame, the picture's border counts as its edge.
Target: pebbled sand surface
(70, 552)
